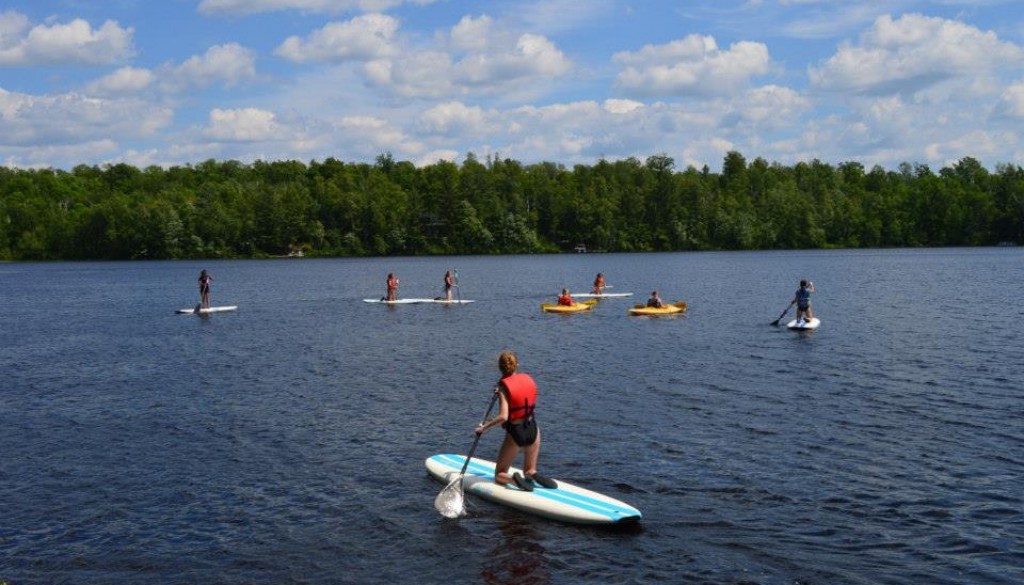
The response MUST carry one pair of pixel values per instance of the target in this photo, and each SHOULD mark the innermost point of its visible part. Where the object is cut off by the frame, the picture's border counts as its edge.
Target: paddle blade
(682, 305)
(450, 502)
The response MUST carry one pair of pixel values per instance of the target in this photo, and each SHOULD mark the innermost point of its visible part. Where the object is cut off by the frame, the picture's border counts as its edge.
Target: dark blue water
(284, 443)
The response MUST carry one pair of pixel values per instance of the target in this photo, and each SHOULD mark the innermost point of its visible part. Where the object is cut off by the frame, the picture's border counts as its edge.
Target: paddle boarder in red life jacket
(565, 298)
(599, 284)
(518, 396)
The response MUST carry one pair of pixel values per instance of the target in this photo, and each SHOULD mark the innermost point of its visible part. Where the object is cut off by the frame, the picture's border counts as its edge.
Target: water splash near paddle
(451, 502)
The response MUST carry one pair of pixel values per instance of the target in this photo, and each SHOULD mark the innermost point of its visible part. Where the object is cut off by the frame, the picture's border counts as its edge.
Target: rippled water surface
(284, 442)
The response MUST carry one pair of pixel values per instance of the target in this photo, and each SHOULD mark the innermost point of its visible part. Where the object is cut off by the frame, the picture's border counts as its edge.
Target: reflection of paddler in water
(518, 558)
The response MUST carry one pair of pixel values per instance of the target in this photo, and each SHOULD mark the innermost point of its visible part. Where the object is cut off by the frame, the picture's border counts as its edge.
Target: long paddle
(450, 502)
(775, 323)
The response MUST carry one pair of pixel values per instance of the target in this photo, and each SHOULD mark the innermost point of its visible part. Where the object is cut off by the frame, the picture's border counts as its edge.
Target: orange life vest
(522, 396)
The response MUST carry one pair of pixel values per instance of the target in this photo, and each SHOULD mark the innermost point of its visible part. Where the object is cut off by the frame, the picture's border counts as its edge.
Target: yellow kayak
(573, 308)
(666, 310)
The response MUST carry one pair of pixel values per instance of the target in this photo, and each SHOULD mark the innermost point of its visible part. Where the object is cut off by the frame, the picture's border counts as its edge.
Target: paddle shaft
(476, 441)
(776, 322)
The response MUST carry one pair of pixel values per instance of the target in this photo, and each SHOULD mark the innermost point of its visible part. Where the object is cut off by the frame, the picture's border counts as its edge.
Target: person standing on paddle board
(392, 288)
(802, 299)
(517, 393)
(449, 284)
(205, 278)
(599, 284)
(565, 298)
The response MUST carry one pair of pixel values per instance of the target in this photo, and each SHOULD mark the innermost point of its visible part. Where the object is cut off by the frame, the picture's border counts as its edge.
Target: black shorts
(523, 432)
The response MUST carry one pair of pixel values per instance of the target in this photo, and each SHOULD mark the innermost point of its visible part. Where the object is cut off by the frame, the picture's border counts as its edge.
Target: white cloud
(73, 43)
(363, 38)
(454, 117)
(124, 81)
(435, 156)
(375, 135)
(242, 125)
(319, 6)
(421, 74)
(229, 64)
(555, 16)
(73, 118)
(771, 107)
(915, 53)
(979, 143)
(477, 57)
(622, 106)
(693, 66)
(1011, 102)
(42, 156)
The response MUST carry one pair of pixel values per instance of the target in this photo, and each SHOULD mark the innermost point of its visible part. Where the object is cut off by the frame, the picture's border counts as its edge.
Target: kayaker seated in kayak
(565, 298)
(599, 284)
(655, 301)
(517, 393)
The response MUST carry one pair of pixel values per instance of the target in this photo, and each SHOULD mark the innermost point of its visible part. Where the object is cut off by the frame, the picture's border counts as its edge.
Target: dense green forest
(331, 208)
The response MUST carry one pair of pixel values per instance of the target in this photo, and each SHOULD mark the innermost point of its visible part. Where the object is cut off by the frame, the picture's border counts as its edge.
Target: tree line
(499, 206)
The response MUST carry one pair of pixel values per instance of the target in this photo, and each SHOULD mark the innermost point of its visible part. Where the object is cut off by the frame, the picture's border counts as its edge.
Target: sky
(176, 82)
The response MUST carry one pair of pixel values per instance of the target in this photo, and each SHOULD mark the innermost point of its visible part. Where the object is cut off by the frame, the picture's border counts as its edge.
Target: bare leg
(506, 456)
(530, 455)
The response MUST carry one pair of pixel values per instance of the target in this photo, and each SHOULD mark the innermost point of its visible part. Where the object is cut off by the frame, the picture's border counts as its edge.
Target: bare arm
(501, 417)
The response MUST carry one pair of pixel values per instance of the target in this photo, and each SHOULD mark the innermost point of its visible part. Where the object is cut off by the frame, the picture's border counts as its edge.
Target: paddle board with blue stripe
(602, 295)
(568, 503)
(205, 310)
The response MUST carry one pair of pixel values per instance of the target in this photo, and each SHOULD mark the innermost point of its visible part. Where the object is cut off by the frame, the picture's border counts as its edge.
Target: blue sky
(175, 82)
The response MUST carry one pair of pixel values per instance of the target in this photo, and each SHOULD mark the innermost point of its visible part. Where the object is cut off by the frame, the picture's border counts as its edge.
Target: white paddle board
(451, 302)
(398, 302)
(601, 296)
(207, 310)
(804, 325)
(568, 502)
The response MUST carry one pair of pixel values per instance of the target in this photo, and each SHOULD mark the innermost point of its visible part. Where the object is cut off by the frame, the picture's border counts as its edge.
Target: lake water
(284, 442)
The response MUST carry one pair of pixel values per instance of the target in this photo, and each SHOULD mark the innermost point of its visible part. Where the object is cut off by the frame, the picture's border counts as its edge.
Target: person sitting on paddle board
(205, 278)
(449, 283)
(802, 299)
(565, 298)
(655, 301)
(599, 284)
(517, 393)
(392, 288)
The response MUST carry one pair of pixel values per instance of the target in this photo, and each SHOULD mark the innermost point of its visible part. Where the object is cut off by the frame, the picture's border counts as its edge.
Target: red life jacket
(522, 396)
